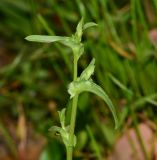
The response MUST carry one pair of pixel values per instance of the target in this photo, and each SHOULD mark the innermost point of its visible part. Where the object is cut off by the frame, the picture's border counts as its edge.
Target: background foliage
(34, 77)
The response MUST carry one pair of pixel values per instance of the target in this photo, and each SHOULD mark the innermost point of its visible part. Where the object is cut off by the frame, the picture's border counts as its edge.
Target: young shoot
(79, 84)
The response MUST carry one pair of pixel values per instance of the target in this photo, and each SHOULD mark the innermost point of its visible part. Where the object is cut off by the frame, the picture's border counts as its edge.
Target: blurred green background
(34, 77)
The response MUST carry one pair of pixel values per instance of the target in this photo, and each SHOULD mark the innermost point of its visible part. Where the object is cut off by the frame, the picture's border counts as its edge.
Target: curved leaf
(89, 86)
(88, 25)
(56, 129)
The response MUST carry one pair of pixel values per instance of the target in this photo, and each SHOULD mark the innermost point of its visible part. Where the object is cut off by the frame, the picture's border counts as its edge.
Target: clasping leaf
(78, 50)
(78, 87)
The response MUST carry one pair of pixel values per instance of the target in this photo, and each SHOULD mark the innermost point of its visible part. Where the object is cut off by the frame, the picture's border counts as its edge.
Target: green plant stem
(73, 115)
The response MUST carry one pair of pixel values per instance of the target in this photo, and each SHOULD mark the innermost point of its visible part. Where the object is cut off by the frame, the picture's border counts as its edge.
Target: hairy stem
(73, 115)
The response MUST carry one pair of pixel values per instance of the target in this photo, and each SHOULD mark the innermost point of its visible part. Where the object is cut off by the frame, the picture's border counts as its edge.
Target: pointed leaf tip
(62, 117)
(89, 24)
(79, 29)
(87, 73)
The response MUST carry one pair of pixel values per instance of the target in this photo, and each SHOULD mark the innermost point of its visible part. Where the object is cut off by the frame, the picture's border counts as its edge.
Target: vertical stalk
(73, 115)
